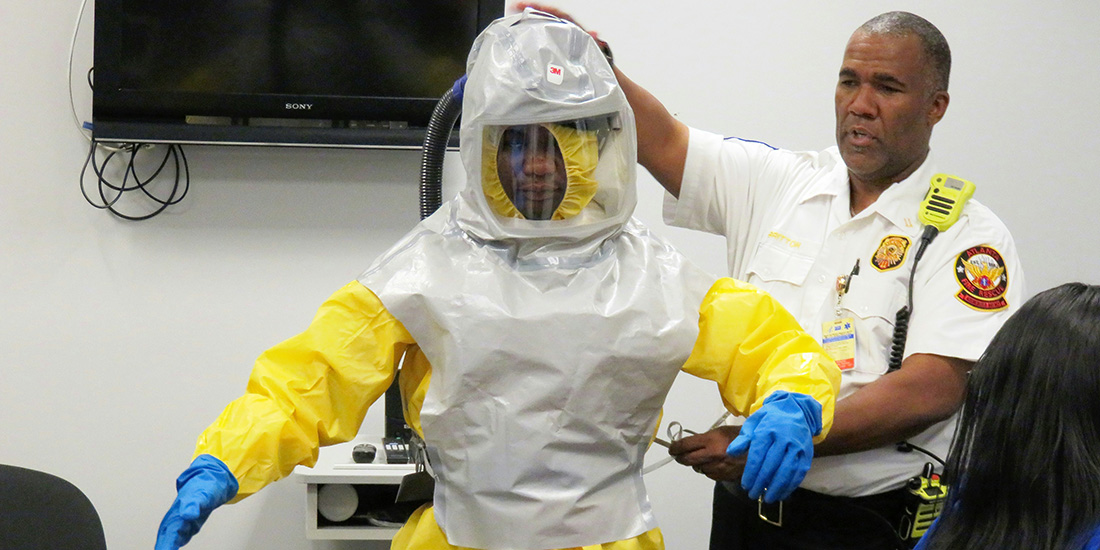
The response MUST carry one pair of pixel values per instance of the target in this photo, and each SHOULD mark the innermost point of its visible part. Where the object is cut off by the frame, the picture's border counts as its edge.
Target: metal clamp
(675, 432)
(762, 510)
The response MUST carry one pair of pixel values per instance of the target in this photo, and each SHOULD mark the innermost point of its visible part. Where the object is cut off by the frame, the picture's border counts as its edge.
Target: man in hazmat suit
(540, 329)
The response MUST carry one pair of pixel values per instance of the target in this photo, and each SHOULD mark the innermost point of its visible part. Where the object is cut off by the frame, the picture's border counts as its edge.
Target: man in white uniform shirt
(796, 225)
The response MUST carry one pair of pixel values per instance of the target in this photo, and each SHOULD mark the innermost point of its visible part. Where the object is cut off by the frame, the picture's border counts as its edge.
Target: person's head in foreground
(1024, 467)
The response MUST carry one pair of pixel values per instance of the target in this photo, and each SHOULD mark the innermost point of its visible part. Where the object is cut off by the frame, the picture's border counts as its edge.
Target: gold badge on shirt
(891, 252)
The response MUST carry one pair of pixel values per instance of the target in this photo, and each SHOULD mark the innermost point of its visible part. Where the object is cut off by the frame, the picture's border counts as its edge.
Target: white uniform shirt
(786, 219)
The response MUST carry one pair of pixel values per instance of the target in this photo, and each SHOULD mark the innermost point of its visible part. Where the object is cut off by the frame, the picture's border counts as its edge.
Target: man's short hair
(901, 23)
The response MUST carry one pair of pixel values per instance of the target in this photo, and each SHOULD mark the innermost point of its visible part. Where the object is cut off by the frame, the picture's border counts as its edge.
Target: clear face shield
(555, 170)
(531, 169)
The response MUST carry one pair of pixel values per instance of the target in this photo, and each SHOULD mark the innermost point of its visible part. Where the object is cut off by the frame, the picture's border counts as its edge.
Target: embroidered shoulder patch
(982, 276)
(891, 252)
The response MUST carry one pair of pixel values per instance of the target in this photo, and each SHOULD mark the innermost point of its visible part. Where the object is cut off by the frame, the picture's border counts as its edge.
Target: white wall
(121, 341)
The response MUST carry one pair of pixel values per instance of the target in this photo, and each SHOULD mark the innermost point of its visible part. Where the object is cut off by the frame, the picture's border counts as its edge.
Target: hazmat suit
(538, 327)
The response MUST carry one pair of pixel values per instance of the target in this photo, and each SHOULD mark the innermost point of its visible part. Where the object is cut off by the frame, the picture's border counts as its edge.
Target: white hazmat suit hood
(535, 69)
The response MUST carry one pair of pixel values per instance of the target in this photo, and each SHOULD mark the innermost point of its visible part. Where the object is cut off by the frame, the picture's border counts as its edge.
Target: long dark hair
(1025, 462)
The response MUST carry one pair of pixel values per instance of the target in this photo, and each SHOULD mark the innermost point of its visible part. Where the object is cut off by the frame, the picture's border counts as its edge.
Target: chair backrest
(40, 511)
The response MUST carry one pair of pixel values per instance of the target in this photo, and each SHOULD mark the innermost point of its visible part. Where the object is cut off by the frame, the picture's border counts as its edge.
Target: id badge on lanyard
(838, 336)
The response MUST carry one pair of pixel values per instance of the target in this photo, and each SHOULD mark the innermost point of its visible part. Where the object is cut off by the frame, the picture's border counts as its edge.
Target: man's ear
(938, 107)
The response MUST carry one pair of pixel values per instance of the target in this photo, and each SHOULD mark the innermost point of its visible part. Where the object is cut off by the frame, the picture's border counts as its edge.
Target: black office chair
(39, 511)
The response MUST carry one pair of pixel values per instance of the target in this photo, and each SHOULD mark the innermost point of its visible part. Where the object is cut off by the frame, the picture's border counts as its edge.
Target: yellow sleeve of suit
(309, 391)
(751, 346)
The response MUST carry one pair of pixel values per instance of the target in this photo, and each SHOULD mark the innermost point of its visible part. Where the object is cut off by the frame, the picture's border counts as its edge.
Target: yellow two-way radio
(943, 204)
(925, 497)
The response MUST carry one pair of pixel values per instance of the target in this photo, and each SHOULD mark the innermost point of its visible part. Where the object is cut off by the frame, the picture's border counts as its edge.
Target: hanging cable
(110, 192)
(907, 447)
(83, 127)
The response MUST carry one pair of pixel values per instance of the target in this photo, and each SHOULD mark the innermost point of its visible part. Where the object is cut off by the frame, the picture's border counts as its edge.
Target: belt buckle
(762, 510)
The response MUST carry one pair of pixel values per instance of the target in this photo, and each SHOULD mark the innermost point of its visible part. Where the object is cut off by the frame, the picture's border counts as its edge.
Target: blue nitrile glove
(206, 484)
(779, 439)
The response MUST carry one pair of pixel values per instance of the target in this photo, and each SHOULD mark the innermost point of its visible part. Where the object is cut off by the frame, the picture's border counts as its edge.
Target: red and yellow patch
(891, 252)
(983, 278)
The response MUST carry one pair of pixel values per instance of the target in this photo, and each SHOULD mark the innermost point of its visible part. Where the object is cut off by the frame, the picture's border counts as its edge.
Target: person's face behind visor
(531, 170)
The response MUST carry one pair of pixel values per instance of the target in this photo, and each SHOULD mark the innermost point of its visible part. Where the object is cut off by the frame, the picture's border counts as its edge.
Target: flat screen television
(352, 73)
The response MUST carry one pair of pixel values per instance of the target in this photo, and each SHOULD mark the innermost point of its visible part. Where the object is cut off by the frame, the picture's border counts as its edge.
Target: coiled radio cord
(901, 320)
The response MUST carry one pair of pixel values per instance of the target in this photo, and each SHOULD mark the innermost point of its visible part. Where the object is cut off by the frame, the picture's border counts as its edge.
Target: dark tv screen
(335, 64)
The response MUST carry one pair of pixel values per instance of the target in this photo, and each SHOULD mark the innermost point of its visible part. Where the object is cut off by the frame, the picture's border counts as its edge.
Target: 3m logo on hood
(554, 74)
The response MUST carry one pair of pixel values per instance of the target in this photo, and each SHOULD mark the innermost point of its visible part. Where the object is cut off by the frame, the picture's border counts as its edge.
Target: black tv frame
(147, 116)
